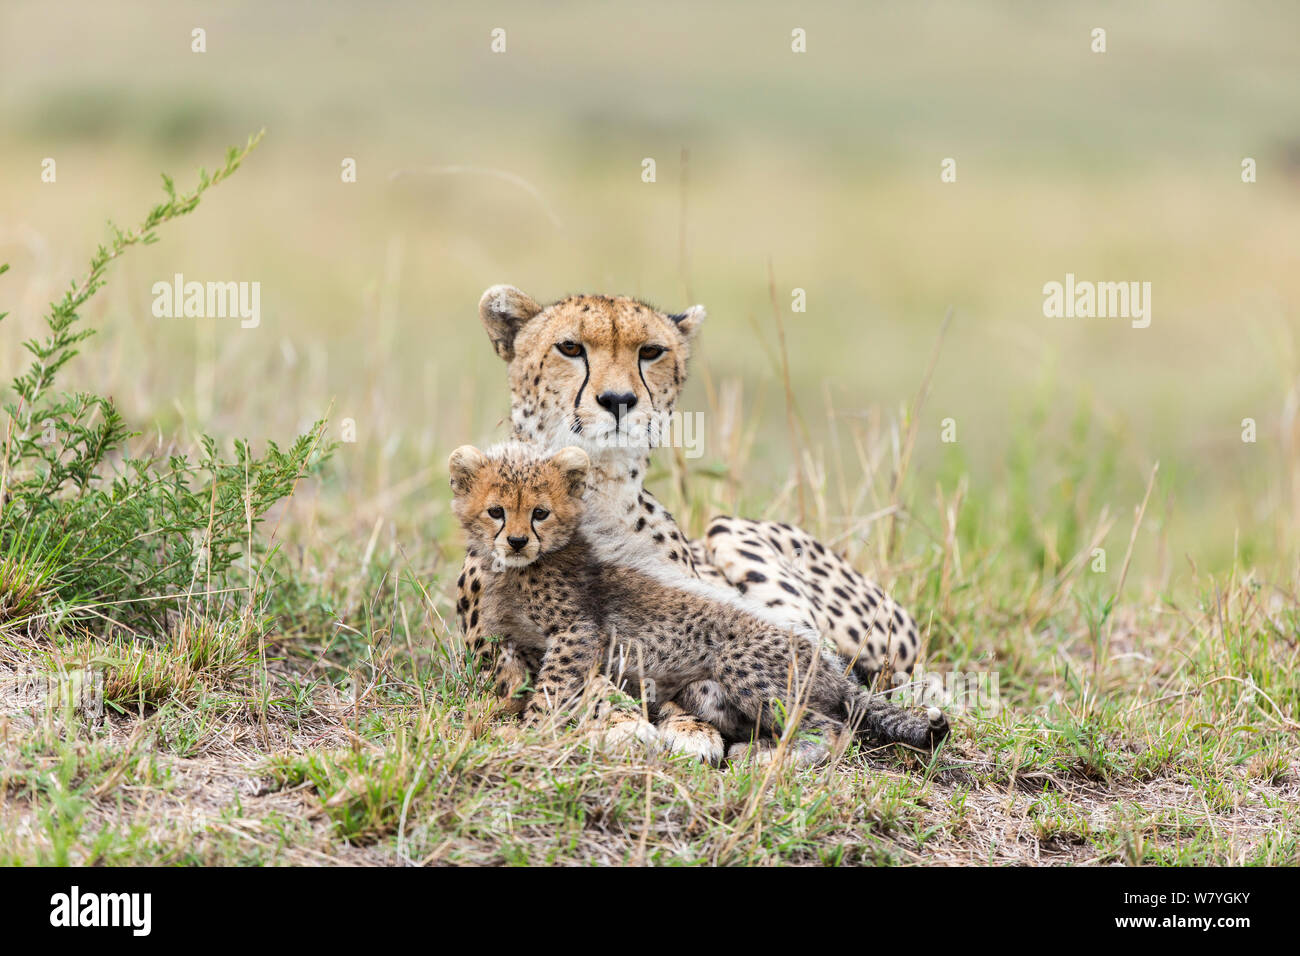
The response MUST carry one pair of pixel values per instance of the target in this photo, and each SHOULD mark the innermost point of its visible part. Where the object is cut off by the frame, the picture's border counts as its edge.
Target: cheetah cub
(558, 591)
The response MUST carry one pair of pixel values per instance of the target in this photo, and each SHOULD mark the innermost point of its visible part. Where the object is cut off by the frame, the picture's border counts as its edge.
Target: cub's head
(597, 371)
(516, 501)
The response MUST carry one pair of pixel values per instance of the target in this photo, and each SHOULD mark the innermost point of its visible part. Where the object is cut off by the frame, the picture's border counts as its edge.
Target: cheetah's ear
(463, 465)
(504, 310)
(689, 322)
(574, 464)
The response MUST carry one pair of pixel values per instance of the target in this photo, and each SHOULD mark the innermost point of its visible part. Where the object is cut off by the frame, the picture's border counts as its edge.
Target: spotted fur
(562, 360)
(563, 589)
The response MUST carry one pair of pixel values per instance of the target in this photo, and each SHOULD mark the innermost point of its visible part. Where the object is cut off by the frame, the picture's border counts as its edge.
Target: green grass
(375, 742)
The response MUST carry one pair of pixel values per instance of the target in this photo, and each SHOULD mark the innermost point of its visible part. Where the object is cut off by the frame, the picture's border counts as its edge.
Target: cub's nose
(617, 404)
(517, 543)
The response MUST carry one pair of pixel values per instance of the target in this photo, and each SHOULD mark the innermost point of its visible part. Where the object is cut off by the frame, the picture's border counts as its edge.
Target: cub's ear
(463, 465)
(504, 310)
(573, 464)
(689, 322)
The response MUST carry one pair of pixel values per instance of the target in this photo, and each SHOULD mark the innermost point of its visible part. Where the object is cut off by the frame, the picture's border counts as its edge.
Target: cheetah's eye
(540, 514)
(496, 511)
(650, 352)
(569, 348)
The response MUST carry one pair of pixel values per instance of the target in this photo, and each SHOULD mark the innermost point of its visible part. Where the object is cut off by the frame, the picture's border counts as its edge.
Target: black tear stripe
(640, 370)
(586, 377)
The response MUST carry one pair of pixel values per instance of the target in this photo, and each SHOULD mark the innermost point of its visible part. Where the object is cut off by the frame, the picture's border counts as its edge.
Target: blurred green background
(525, 167)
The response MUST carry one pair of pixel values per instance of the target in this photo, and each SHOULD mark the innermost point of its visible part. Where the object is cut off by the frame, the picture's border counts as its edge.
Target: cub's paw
(760, 752)
(683, 734)
(624, 731)
(804, 751)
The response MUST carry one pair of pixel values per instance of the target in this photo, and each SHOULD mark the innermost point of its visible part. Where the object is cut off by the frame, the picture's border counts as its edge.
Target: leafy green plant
(126, 539)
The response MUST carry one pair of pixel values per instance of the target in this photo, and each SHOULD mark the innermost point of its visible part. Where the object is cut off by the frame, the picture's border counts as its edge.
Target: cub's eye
(649, 352)
(496, 511)
(571, 349)
(540, 514)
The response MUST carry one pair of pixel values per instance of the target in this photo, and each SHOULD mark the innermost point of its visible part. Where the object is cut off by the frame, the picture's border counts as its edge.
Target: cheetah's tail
(884, 722)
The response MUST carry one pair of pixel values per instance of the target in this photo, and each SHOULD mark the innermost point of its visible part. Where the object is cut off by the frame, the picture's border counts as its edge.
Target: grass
(1149, 694)
(371, 740)
(27, 568)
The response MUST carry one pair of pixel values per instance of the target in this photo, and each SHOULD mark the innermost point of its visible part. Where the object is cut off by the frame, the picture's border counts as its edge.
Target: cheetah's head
(517, 502)
(601, 372)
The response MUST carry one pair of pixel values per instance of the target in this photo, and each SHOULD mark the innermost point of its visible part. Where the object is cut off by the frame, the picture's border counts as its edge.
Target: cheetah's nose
(617, 404)
(517, 543)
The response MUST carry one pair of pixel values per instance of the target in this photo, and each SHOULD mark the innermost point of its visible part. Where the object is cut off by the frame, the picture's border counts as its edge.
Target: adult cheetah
(597, 372)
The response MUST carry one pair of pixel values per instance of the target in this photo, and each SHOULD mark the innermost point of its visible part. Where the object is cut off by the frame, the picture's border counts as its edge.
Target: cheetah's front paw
(684, 734)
